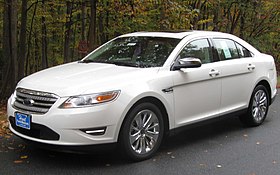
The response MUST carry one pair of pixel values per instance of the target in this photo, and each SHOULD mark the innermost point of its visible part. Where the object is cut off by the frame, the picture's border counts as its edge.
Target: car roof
(195, 33)
(172, 34)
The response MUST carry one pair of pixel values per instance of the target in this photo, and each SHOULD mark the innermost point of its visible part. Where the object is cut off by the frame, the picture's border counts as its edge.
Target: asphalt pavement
(225, 147)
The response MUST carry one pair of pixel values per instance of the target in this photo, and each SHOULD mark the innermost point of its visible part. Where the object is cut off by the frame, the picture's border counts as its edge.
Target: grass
(278, 81)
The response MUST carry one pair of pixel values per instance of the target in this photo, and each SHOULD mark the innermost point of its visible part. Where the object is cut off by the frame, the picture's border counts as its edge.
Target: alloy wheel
(259, 106)
(144, 131)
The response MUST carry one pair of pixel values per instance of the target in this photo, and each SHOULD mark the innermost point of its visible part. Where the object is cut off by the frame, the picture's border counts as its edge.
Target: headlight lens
(90, 99)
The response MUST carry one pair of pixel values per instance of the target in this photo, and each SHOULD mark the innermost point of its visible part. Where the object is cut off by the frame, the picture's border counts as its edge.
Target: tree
(10, 46)
(22, 40)
(44, 38)
(92, 25)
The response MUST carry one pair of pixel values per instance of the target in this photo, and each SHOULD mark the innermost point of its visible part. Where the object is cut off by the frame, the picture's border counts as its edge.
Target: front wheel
(258, 107)
(142, 132)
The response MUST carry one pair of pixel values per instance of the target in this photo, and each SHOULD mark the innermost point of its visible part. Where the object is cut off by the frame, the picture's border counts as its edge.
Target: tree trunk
(22, 40)
(83, 20)
(6, 50)
(10, 47)
(29, 40)
(68, 32)
(92, 26)
(13, 42)
(44, 61)
(162, 15)
(101, 29)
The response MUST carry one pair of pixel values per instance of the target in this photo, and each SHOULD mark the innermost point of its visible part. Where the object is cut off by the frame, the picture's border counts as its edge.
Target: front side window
(226, 49)
(135, 51)
(198, 49)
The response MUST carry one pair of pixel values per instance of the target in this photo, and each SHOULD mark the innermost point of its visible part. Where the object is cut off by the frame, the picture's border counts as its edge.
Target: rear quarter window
(242, 51)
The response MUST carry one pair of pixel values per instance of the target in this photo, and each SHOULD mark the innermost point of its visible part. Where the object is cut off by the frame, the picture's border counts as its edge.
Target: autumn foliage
(36, 34)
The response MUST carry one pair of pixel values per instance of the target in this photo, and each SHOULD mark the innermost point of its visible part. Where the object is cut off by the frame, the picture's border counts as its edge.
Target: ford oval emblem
(28, 102)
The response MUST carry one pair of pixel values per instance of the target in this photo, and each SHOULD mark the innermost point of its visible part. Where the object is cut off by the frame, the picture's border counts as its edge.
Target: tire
(258, 107)
(142, 132)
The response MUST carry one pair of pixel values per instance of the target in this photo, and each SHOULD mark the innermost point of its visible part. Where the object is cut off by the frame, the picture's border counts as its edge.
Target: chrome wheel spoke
(152, 126)
(152, 135)
(144, 131)
(139, 122)
(148, 122)
(259, 105)
(142, 146)
(135, 137)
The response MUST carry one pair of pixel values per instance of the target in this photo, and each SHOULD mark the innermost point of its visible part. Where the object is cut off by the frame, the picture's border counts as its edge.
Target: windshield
(134, 51)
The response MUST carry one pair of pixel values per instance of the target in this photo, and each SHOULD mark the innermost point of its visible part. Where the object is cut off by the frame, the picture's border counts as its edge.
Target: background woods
(36, 34)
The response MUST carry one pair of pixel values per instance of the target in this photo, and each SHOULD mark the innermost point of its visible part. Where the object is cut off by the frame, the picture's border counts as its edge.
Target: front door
(197, 91)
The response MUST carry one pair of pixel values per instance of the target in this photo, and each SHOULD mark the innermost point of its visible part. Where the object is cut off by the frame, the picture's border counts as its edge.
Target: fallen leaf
(258, 143)
(274, 162)
(18, 161)
(202, 165)
(245, 135)
(219, 166)
(172, 157)
(23, 157)
(10, 148)
(169, 153)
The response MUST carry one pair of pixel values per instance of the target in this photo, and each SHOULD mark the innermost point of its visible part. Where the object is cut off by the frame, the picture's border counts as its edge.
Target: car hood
(84, 78)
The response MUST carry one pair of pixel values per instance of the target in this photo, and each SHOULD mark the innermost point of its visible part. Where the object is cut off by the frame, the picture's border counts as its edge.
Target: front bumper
(70, 124)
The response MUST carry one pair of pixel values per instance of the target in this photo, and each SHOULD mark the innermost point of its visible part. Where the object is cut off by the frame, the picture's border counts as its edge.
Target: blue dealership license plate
(23, 120)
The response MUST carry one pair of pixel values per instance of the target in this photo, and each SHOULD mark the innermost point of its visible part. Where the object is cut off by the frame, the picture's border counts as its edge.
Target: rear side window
(242, 51)
(226, 49)
(198, 49)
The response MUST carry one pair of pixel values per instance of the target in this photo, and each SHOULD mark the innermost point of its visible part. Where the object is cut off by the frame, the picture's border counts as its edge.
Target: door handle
(251, 67)
(214, 73)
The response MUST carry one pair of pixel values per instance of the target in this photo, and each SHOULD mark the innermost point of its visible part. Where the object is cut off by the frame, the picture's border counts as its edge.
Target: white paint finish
(196, 94)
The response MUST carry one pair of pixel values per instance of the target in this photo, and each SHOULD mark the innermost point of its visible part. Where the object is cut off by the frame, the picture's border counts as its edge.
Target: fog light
(95, 131)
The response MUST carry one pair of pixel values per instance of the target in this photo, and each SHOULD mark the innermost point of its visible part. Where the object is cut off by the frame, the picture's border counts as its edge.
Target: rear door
(237, 72)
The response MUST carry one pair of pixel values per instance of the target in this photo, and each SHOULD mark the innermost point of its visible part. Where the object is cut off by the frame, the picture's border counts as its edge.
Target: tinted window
(226, 49)
(198, 49)
(135, 51)
(242, 51)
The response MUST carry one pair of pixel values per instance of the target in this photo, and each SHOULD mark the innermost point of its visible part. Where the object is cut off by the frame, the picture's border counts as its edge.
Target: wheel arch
(154, 101)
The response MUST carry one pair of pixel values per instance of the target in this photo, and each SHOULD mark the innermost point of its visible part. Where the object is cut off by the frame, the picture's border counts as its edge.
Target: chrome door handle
(214, 73)
(251, 67)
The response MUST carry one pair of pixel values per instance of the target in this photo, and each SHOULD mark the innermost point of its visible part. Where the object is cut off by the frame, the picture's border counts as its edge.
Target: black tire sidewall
(251, 120)
(124, 135)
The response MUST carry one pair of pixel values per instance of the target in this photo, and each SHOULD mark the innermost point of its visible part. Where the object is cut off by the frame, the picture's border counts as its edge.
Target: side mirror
(186, 63)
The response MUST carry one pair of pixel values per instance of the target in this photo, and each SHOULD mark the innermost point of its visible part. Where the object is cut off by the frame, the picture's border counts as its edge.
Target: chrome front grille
(34, 101)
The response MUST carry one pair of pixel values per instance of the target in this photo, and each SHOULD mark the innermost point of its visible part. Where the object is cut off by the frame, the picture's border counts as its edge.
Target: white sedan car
(138, 87)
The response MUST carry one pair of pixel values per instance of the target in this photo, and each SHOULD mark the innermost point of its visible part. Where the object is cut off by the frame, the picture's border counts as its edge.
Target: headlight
(90, 99)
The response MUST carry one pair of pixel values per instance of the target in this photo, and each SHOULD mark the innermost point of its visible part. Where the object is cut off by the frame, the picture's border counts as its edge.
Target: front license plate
(23, 120)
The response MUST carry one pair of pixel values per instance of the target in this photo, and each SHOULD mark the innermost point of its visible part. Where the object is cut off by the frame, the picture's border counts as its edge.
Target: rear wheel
(258, 107)
(142, 132)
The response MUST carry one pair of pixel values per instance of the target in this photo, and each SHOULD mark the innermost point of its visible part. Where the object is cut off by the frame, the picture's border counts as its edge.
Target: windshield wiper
(117, 63)
(86, 61)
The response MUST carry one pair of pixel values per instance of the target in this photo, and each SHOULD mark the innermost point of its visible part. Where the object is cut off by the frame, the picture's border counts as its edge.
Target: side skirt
(205, 122)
